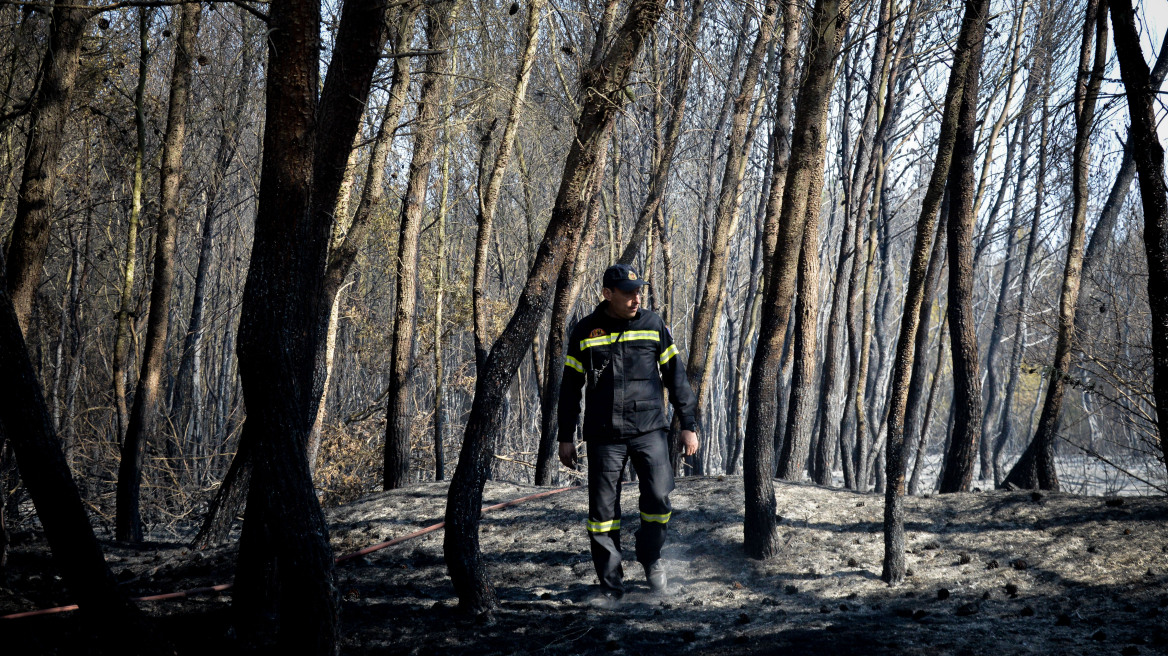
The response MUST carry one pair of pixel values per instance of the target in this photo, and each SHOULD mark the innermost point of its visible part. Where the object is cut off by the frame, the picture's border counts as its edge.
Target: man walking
(621, 355)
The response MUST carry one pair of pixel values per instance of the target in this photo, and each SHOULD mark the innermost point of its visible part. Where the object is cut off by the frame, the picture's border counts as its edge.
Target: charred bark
(971, 36)
(143, 417)
(1036, 466)
(1149, 156)
(916, 425)
(489, 194)
(47, 118)
(228, 501)
(399, 415)
(808, 145)
(922, 439)
(703, 343)
(602, 85)
(25, 420)
(284, 584)
(569, 283)
(792, 455)
(962, 451)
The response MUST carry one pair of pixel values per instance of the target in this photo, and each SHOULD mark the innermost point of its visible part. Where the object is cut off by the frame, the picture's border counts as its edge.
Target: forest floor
(990, 573)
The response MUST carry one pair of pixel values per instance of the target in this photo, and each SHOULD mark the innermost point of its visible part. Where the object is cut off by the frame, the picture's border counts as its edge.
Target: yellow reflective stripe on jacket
(668, 354)
(598, 341)
(635, 335)
(574, 363)
(603, 527)
(660, 519)
(629, 336)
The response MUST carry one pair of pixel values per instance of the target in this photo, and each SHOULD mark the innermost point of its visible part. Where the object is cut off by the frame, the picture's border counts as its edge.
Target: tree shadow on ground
(399, 600)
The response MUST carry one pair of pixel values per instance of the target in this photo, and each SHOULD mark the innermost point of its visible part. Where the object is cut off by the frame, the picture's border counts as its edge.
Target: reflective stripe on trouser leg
(650, 455)
(605, 462)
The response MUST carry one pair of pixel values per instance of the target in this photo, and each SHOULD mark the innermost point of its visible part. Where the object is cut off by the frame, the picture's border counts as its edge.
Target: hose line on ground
(181, 594)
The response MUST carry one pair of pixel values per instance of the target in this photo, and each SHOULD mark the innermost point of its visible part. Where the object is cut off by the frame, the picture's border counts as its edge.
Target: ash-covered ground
(990, 573)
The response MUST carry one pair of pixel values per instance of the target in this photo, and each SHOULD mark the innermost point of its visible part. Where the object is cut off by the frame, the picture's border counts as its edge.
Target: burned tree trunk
(1036, 466)
(916, 417)
(399, 417)
(801, 403)
(800, 198)
(703, 343)
(228, 500)
(46, 130)
(489, 194)
(1149, 156)
(959, 458)
(284, 570)
(569, 283)
(24, 417)
(922, 439)
(284, 577)
(800, 417)
(780, 147)
(970, 38)
(341, 105)
(25, 420)
(781, 133)
(602, 85)
(143, 425)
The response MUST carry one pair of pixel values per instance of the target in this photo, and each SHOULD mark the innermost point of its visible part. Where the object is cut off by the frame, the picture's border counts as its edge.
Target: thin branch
(412, 53)
(251, 10)
(1101, 458)
(94, 10)
(24, 108)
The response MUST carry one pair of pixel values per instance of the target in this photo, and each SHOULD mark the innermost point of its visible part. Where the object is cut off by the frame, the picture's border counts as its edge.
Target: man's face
(622, 304)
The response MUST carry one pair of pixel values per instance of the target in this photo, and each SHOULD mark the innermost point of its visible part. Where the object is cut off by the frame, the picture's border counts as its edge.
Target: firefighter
(621, 356)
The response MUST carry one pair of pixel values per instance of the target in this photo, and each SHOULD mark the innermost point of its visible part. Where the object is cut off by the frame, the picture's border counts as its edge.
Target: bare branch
(137, 3)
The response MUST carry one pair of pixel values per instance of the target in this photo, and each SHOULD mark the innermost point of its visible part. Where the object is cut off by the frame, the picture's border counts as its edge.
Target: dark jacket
(622, 365)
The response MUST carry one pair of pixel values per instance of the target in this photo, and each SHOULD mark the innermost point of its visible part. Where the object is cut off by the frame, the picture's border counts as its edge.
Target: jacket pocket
(641, 361)
(648, 415)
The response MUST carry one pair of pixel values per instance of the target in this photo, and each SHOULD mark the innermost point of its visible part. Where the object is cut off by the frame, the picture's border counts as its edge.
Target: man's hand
(689, 442)
(568, 454)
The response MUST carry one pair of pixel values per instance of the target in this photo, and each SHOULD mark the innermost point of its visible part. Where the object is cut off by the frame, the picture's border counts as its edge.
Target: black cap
(622, 277)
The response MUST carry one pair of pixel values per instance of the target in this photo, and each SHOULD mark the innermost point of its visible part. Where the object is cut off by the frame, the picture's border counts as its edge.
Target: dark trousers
(606, 460)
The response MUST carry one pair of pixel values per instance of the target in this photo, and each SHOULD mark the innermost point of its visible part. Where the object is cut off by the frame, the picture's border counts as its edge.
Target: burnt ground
(990, 573)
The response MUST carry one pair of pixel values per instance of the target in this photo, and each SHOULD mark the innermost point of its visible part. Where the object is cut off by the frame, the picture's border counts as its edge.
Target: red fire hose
(340, 559)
